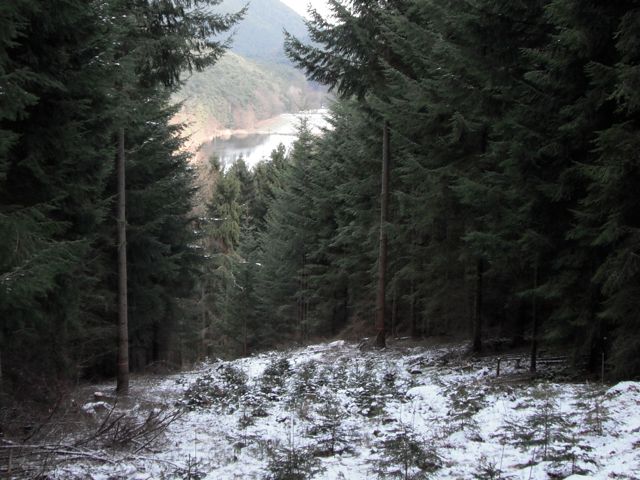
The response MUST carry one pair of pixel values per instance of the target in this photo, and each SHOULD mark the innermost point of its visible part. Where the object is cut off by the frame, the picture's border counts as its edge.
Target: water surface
(258, 145)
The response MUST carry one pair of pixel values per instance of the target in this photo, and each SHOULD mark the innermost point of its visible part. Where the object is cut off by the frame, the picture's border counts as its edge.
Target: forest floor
(332, 411)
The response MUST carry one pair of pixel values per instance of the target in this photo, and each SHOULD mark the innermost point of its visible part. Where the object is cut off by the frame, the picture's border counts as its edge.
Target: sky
(300, 6)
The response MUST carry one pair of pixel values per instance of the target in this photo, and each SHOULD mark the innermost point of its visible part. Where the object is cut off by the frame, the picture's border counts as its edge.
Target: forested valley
(477, 183)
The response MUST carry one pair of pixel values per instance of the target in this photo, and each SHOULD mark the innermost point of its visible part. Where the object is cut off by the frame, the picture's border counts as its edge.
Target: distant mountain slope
(254, 81)
(260, 35)
(238, 92)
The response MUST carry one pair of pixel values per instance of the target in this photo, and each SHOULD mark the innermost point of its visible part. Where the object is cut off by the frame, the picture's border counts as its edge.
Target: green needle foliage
(514, 132)
(71, 72)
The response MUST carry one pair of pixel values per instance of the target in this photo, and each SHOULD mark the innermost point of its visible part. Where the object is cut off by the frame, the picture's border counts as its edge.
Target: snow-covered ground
(331, 411)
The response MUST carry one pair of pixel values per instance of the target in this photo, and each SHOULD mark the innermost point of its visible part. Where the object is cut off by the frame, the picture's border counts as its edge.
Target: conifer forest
(477, 182)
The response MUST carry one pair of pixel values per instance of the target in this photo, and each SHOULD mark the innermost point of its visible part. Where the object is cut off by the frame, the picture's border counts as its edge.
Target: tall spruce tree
(607, 218)
(68, 71)
(162, 261)
(557, 124)
(435, 107)
(351, 240)
(283, 275)
(349, 54)
(222, 234)
(54, 170)
(158, 42)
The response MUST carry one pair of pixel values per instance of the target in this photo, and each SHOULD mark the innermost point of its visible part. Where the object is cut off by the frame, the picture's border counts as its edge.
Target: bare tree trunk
(382, 252)
(394, 313)
(534, 319)
(413, 303)
(203, 320)
(245, 343)
(305, 302)
(412, 311)
(123, 322)
(477, 311)
(181, 345)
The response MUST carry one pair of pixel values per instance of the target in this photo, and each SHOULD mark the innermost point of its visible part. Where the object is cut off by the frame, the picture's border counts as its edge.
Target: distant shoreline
(256, 144)
(283, 124)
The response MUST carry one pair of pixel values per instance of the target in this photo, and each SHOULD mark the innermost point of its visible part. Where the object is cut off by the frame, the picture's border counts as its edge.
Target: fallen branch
(54, 449)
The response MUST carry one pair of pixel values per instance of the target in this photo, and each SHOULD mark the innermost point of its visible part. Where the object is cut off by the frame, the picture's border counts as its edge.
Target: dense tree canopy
(514, 132)
(71, 74)
(513, 210)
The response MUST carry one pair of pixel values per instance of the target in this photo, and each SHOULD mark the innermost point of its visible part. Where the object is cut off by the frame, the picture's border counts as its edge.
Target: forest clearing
(332, 411)
(163, 308)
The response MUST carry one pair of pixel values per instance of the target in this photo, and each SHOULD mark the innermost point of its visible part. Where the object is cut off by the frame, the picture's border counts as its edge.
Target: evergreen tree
(557, 123)
(266, 179)
(54, 169)
(283, 275)
(350, 58)
(346, 203)
(607, 220)
(162, 261)
(221, 235)
(491, 69)
(157, 42)
(68, 70)
(13, 76)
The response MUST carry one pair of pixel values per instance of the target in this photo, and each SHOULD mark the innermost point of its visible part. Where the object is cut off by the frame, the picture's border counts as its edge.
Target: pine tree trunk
(382, 252)
(305, 303)
(534, 320)
(394, 313)
(123, 322)
(245, 343)
(181, 345)
(344, 313)
(203, 323)
(412, 311)
(155, 347)
(477, 311)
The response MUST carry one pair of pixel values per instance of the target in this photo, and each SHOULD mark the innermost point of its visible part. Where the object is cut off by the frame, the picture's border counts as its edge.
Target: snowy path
(338, 413)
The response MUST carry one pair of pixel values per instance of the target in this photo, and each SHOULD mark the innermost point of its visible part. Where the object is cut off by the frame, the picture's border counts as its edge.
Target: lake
(258, 144)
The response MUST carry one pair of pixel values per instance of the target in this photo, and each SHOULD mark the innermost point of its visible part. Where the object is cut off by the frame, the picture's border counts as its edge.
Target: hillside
(237, 92)
(260, 35)
(333, 412)
(254, 81)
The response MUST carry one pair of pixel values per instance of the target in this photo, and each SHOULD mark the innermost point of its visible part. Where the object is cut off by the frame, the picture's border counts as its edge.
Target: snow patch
(356, 413)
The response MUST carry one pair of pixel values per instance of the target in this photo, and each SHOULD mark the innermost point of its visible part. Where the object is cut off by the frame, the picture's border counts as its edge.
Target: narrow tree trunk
(305, 303)
(245, 318)
(534, 320)
(181, 345)
(334, 316)
(203, 322)
(156, 348)
(344, 317)
(394, 313)
(382, 252)
(477, 311)
(245, 343)
(412, 311)
(123, 322)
